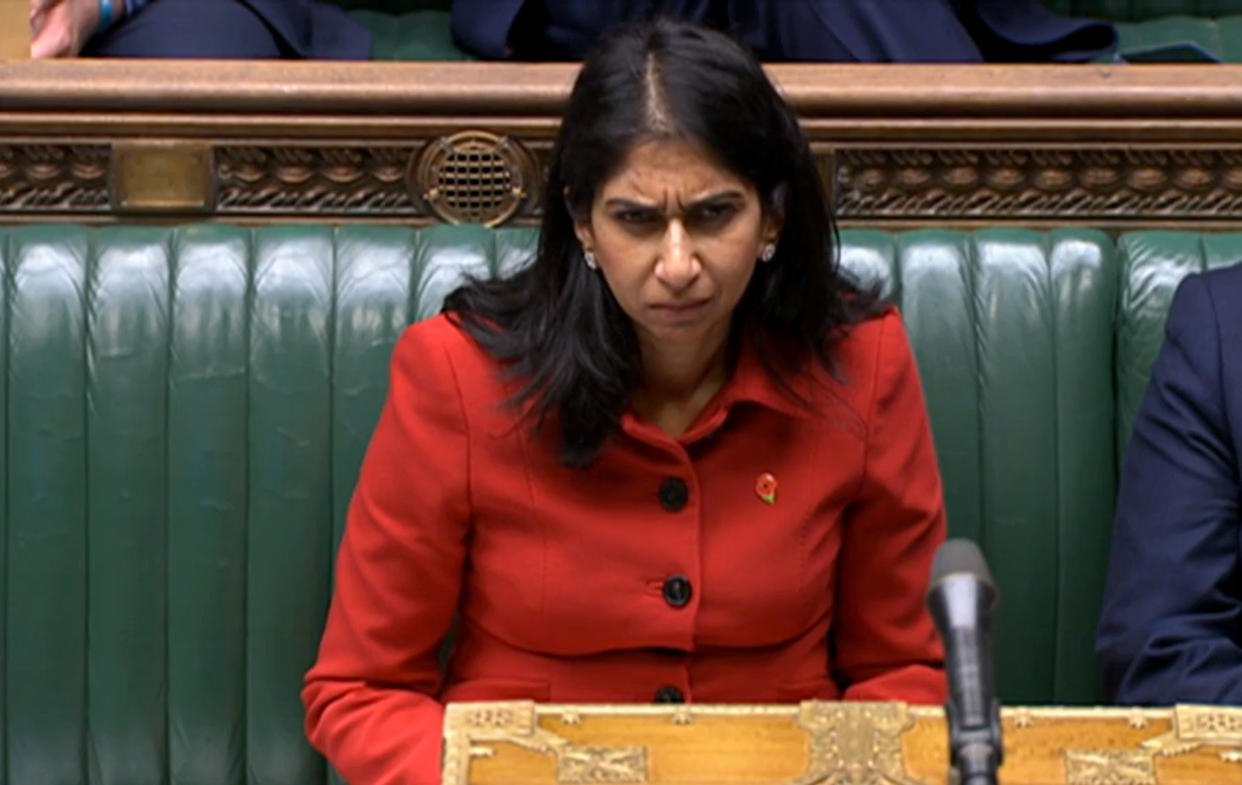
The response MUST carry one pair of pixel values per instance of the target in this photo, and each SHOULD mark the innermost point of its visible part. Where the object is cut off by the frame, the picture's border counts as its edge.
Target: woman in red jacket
(676, 458)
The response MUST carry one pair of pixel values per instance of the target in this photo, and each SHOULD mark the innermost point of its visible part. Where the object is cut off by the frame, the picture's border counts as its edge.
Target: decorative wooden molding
(897, 145)
(256, 180)
(331, 88)
(1038, 182)
(54, 178)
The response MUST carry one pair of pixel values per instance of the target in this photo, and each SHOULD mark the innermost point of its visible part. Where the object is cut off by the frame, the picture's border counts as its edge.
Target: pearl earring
(767, 253)
(589, 258)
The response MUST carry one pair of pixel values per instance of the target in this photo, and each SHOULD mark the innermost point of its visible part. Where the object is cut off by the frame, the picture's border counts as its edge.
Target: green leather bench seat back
(185, 411)
(1153, 263)
(425, 34)
(1013, 335)
(406, 29)
(1220, 36)
(1215, 25)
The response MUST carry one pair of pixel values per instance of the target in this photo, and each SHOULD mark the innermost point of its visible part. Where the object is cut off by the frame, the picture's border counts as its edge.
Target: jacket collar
(750, 383)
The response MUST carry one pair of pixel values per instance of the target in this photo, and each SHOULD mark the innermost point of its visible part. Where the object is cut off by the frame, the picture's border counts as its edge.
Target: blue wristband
(106, 14)
(132, 6)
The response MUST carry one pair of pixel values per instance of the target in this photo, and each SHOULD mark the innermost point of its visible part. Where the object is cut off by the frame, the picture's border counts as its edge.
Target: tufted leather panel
(185, 411)
(1013, 334)
(1153, 263)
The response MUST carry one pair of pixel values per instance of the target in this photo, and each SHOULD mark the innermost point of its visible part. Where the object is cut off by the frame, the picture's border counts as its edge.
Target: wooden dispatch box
(816, 742)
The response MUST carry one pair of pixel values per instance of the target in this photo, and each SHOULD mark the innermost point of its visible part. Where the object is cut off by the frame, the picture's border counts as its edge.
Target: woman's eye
(635, 217)
(710, 213)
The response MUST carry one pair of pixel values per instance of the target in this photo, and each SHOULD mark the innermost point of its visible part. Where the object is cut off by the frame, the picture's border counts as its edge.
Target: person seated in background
(195, 28)
(1171, 626)
(677, 457)
(865, 31)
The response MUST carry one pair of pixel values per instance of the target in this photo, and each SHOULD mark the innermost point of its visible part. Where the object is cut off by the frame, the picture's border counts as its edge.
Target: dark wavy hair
(556, 324)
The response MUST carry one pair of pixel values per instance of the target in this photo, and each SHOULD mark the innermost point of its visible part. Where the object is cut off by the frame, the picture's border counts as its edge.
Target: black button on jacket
(677, 590)
(673, 494)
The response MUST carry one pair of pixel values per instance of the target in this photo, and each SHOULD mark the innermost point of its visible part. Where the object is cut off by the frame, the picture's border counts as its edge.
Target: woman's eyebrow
(729, 194)
(629, 204)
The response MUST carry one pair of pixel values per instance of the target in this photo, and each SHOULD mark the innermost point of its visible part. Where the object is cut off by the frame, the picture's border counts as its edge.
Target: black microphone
(961, 598)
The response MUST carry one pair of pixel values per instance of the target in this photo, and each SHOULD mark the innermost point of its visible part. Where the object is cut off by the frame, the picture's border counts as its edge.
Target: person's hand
(59, 28)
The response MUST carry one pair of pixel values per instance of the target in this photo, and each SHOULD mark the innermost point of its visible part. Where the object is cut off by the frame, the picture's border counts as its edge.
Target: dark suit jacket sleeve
(1173, 602)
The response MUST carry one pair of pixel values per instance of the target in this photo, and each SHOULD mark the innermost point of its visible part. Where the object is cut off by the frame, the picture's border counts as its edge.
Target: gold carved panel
(821, 743)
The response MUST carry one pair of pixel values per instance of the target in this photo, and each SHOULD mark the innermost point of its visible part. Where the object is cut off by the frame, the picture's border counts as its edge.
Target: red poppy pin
(765, 487)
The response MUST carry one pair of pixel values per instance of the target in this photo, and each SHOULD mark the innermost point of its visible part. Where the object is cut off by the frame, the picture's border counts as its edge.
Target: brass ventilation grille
(473, 177)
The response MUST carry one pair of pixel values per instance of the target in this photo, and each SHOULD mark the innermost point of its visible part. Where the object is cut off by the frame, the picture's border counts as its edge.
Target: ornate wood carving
(855, 743)
(1038, 183)
(591, 764)
(1109, 767)
(477, 729)
(819, 743)
(36, 178)
(492, 179)
(900, 144)
(471, 176)
(309, 180)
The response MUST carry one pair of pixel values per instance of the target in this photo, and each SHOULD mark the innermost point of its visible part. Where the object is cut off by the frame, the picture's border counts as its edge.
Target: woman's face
(677, 237)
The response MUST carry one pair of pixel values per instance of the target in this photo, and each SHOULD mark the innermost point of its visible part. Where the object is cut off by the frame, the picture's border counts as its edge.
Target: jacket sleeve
(884, 642)
(369, 696)
(1169, 625)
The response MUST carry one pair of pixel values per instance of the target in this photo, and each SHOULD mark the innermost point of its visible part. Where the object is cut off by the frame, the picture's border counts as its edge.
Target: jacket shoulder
(1207, 301)
(439, 351)
(870, 341)
(1224, 286)
(443, 335)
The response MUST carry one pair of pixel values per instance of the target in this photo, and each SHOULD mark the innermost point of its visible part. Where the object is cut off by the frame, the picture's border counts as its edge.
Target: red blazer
(659, 572)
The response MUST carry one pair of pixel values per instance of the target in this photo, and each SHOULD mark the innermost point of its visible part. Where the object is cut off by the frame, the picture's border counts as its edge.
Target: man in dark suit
(1171, 626)
(799, 30)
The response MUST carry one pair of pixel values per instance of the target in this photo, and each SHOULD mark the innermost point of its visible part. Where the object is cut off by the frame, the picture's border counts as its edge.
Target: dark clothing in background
(916, 31)
(1171, 623)
(235, 29)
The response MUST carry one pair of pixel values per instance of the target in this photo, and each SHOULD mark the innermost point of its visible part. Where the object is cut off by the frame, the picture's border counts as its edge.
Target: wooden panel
(14, 29)
(162, 177)
(522, 743)
(897, 145)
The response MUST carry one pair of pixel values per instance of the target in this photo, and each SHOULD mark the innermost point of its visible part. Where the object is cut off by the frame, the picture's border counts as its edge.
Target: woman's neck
(678, 381)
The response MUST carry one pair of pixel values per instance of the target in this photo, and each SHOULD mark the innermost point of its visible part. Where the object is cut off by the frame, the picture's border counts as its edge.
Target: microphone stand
(961, 598)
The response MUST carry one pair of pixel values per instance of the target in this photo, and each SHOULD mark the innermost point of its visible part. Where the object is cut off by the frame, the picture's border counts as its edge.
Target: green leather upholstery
(1013, 334)
(1153, 263)
(185, 411)
(1221, 37)
(1135, 10)
(414, 35)
(407, 29)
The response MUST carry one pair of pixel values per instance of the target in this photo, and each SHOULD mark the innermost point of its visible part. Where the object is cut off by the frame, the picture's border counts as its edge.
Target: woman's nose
(678, 266)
